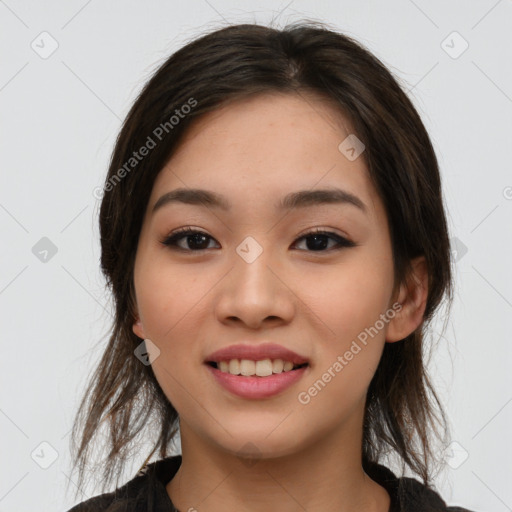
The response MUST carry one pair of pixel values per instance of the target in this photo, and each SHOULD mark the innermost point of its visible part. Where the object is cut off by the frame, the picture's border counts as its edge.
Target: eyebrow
(300, 199)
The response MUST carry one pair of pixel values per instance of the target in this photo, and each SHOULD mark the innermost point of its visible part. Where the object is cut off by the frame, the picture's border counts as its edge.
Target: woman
(273, 232)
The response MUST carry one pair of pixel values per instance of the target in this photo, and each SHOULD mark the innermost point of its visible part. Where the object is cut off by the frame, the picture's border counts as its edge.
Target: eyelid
(323, 231)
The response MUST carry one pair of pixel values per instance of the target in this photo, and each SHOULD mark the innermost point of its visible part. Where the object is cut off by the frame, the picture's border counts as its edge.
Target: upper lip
(256, 353)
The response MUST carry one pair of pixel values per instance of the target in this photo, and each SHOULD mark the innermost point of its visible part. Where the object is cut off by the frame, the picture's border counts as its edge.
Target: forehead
(259, 149)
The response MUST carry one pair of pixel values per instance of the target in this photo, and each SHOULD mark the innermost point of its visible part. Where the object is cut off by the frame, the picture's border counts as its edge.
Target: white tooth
(278, 365)
(287, 366)
(234, 366)
(264, 368)
(247, 367)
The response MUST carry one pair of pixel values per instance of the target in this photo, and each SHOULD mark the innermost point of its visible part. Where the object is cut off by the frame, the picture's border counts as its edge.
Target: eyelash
(171, 240)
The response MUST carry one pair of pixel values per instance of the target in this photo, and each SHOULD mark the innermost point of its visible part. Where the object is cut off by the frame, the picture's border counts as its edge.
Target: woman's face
(255, 277)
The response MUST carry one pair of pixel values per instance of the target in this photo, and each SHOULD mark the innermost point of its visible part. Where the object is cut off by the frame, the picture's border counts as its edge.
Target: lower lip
(257, 387)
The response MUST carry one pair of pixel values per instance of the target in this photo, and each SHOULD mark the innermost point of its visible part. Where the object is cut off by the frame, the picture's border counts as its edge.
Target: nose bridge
(252, 266)
(252, 291)
(251, 273)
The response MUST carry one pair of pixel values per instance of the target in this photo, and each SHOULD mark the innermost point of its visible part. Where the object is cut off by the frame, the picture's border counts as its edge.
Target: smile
(252, 386)
(262, 368)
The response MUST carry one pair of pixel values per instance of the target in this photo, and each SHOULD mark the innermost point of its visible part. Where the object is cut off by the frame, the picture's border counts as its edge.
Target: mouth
(248, 368)
(256, 380)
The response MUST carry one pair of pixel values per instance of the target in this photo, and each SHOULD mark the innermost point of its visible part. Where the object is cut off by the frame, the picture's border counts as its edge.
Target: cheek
(350, 298)
(349, 305)
(350, 302)
(168, 295)
(171, 300)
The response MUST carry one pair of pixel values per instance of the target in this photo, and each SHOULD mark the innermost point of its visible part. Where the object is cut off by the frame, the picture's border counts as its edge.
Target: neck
(326, 476)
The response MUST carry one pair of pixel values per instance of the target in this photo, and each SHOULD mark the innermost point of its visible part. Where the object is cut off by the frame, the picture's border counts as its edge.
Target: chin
(260, 445)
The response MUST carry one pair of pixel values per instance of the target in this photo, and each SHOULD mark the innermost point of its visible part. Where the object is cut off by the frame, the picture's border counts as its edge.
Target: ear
(412, 297)
(137, 327)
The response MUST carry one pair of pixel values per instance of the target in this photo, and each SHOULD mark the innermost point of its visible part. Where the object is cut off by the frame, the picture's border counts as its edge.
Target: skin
(312, 301)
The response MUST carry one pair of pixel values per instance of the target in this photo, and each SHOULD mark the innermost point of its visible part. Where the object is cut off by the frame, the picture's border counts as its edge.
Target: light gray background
(60, 117)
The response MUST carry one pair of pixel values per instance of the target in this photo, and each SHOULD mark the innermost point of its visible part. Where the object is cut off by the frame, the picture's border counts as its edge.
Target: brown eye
(196, 240)
(317, 241)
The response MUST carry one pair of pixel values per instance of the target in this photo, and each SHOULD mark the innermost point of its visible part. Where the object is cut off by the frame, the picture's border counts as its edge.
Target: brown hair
(402, 410)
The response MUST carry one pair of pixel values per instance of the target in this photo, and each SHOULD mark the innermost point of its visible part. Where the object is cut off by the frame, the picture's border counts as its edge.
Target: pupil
(320, 242)
(197, 239)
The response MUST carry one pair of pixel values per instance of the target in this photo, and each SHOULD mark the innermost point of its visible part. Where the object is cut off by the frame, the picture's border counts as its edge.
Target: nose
(255, 293)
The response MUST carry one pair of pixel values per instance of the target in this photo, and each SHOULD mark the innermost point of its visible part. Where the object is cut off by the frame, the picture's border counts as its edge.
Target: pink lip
(257, 387)
(256, 353)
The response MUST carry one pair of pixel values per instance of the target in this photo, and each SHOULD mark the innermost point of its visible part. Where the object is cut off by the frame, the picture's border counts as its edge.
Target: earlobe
(138, 329)
(412, 298)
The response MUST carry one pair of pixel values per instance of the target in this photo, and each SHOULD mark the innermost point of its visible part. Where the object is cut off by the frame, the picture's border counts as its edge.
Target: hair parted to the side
(402, 412)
